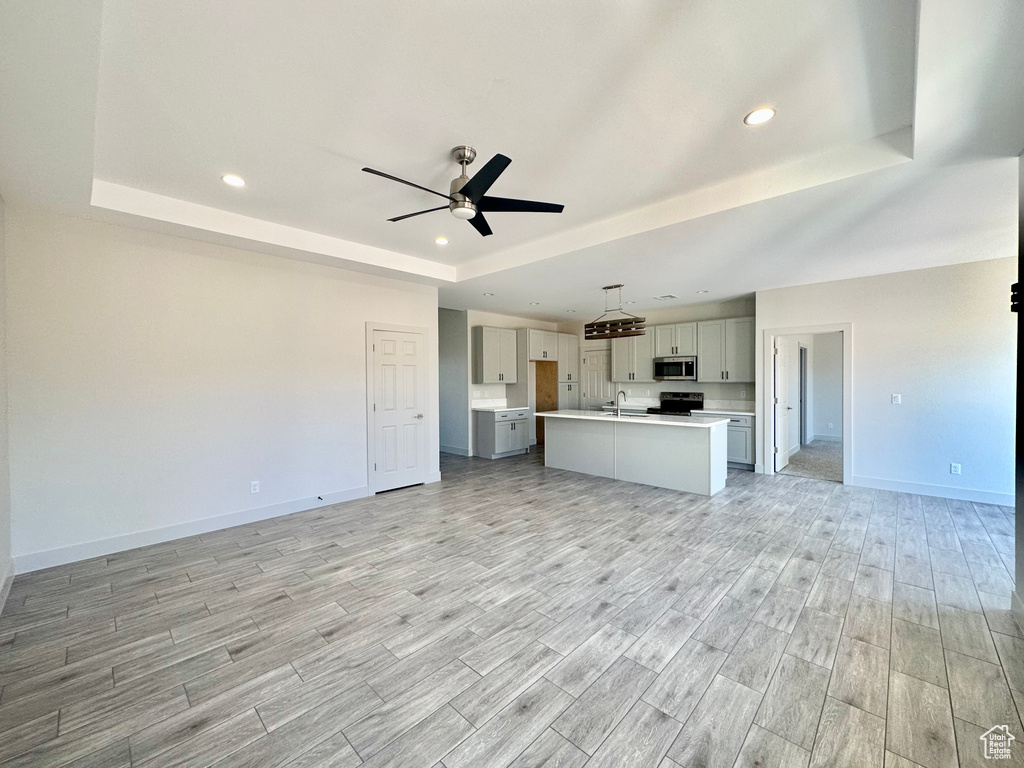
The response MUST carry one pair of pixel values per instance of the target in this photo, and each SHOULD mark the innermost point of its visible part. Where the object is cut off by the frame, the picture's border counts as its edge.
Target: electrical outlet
(897, 399)
(743, 394)
(254, 486)
(954, 469)
(830, 425)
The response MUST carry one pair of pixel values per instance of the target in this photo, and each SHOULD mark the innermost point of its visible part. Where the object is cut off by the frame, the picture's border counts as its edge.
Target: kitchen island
(678, 452)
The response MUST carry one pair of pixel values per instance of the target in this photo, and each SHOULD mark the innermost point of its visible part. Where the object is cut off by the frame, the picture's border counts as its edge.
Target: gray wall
(6, 560)
(827, 392)
(453, 359)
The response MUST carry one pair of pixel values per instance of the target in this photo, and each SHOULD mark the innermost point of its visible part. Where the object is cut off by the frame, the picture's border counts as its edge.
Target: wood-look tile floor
(513, 615)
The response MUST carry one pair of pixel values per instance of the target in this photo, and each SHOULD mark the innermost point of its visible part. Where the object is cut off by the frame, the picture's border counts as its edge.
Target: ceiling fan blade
(420, 213)
(480, 224)
(403, 181)
(508, 204)
(477, 187)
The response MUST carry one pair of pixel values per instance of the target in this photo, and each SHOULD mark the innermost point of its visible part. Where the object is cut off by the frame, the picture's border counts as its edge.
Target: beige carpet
(822, 459)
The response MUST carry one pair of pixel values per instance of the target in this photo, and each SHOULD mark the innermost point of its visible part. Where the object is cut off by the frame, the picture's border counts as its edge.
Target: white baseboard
(795, 449)
(5, 585)
(456, 451)
(34, 561)
(925, 489)
(828, 438)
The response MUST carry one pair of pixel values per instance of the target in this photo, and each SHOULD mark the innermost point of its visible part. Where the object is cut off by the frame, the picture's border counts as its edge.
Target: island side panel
(679, 458)
(580, 445)
(719, 451)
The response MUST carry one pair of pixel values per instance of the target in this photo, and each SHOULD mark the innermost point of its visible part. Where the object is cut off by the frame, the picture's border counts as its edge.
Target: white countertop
(497, 408)
(657, 419)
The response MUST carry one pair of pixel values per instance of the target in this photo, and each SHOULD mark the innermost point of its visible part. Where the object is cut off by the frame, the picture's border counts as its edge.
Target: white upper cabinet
(633, 359)
(568, 358)
(725, 350)
(494, 355)
(711, 350)
(543, 344)
(675, 340)
(664, 340)
(739, 349)
(509, 356)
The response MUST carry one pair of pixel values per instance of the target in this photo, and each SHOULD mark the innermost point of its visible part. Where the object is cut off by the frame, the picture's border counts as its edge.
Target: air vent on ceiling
(666, 297)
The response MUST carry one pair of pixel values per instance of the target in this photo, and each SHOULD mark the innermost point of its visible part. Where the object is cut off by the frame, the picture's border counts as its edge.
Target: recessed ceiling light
(666, 297)
(630, 302)
(570, 310)
(534, 303)
(759, 116)
(701, 291)
(488, 294)
(233, 181)
(441, 240)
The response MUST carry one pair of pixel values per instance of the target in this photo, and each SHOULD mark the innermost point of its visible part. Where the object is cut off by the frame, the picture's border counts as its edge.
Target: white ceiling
(628, 113)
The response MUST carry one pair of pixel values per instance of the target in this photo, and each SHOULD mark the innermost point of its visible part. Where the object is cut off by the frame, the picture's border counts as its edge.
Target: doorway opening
(807, 404)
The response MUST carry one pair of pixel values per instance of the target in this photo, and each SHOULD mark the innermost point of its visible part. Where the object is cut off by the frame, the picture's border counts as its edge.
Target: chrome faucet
(618, 408)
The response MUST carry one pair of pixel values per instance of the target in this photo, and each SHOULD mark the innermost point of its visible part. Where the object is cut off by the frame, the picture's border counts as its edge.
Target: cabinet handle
(726, 374)
(723, 374)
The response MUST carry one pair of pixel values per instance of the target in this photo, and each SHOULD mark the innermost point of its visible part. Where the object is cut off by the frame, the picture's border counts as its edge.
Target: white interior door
(399, 409)
(597, 379)
(782, 407)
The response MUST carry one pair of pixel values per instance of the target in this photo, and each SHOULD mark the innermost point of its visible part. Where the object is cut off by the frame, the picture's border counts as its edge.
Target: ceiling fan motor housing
(460, 206)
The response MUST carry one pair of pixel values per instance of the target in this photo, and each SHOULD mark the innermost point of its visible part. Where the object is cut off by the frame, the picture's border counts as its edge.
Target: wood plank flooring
(513, 615)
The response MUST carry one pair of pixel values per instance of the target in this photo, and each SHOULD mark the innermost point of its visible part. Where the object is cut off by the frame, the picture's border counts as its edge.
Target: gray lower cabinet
(740, 438)
(501, 433)
(740, 444)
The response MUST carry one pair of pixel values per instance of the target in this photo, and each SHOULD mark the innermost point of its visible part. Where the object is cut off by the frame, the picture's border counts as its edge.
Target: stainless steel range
(679, 403)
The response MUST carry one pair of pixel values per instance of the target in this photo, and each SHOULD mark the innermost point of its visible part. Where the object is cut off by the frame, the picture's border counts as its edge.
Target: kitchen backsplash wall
(721, 396)
(487, 395)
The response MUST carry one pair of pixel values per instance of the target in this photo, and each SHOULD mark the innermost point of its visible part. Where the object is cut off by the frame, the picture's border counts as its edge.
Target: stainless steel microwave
(675, 368)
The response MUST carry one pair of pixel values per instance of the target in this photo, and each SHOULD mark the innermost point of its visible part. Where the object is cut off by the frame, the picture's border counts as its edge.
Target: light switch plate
(897, 399)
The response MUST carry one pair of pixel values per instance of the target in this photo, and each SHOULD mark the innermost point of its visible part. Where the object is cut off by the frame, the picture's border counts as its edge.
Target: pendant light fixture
(618, 328)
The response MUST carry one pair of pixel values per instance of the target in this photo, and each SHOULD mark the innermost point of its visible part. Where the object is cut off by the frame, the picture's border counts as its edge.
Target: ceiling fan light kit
(467, 198)
(618, 328)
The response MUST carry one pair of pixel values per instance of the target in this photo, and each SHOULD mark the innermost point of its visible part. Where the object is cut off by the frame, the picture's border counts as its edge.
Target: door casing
(766, 462)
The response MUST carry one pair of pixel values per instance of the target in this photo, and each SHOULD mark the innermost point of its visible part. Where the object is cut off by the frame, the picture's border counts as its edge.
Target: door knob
(419, 415)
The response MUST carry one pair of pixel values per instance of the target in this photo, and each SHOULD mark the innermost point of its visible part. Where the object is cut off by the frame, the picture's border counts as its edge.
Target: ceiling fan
(467, 198)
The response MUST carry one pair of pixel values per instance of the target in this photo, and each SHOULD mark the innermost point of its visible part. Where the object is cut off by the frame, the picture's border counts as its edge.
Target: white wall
(827, 393)
(152, 378)
(453, 344)
(6, 560)
(943, 338)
